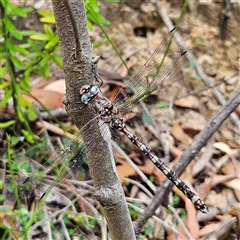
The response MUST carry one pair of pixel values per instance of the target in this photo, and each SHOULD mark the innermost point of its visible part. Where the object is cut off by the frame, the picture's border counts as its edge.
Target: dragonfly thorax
(117, 123)
(88, 92)
(105, 108)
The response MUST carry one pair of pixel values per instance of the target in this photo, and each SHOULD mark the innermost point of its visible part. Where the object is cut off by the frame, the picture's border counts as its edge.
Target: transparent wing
(58, 172)
(159, 81)
(64, 164)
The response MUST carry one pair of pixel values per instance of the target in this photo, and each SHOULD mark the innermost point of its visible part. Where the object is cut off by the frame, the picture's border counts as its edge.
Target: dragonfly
(161, 78)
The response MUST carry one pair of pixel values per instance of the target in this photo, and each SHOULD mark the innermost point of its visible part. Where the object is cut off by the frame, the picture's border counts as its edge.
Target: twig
(49, 231)
(155, 218)
(64, 229)
(189, 236)
(41, 222)
(139, 185)
(56, 112)
(197, 144)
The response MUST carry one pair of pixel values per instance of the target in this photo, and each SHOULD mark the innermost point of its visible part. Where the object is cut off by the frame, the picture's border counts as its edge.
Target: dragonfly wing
(160, 77)
(57, 173)
(63, 164)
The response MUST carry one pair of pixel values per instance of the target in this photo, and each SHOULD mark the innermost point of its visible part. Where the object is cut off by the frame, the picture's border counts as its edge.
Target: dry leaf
(188, 102)
(180, 135)
(223, 147)
(49, 99)
(55, 129)
(148, 167)
(228, 169)
(190, 222)
(218, 179)
(183, 102)
(235, 185)
(57, 86)
(125, 170)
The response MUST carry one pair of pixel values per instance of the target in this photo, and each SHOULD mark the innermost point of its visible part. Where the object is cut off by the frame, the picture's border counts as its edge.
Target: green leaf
(16, 33)
(43, 71)
(3, 70)
(44, 61)
(162, 104)
(16, 62)
(22, 12)
(10, 46)
(48, 30)
(197, 41)
(52, 43)
(36, 45)
(40, 37)
(175, 200)
(44, 13)
(8, 24)
(6, 4)
(48, 19)
(28, 136)
(24, 82)
(32, 114)
(25, 45)
(5, 209)
(89, 24)
(35, 54)
(99, 43)
(20, 113)
(14, 141)
(7, 124)
(6, 97)
(196, 77)
(126, 182)
(27, 33)
(4, 85)
(94, 15)
(24, 102)
(22, 50)
(57, 60)
(147, 228)
(151, 178)
(2, 198)
(18, 90)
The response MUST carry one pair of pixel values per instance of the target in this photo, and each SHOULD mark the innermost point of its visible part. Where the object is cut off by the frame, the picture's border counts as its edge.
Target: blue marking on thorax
(94, 90)
(86, 97)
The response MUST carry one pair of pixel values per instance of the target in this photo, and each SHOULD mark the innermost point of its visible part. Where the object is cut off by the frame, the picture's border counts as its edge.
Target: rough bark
(76, 54)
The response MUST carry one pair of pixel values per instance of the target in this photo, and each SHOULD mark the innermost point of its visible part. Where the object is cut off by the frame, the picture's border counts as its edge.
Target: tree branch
(76, 54)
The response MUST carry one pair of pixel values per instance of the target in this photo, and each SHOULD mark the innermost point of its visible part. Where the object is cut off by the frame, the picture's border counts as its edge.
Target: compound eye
(85, 98)
(94, 90)
(84, 89)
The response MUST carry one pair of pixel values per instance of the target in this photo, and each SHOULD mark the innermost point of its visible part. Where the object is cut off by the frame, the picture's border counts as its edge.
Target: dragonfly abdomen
(199, 204)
